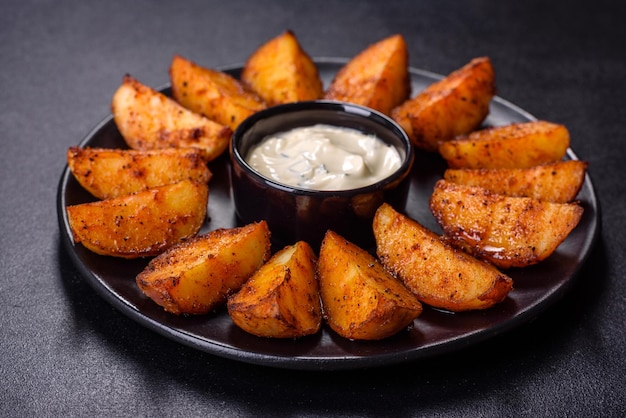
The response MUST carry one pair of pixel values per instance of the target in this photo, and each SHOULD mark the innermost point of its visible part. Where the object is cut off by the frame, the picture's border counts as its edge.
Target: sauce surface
(324, 157)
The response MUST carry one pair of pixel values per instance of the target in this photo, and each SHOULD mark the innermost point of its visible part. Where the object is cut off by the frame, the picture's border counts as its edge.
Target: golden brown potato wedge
(280, 71)
(455, 105)
(438, 274)
(141, 224)
(281, 299)
(557, 182)
(197, 275)
(148, 119)
(506, 231)
(361, 300)
(518, 145)
(378, 77)
(214, 94)
(108, 173)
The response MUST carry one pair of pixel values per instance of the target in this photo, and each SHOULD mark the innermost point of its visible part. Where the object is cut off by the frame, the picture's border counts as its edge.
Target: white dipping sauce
(324, 157)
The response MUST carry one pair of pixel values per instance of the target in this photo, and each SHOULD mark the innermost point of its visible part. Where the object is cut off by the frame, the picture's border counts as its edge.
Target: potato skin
(142, 224)
(281, 299)
(147, 119)
(108, 173)
(518, 145)
(438, 274)
(197, 275)
(455, 105)
(361, 300)
(214, 94)
(506, 231)
(280, 71)
(557, 182)
(377, 77)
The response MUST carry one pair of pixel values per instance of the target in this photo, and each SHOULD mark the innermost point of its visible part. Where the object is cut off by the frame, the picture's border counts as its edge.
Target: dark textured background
(65, 351)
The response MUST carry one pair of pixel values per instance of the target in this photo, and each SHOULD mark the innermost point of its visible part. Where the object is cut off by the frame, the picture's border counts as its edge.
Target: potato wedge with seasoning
(437, 273)
(361, 300)
(148, 119)
(506, 231)
(455, 105)
(197, 275)
(557, 182)
(281, 299)
(280, 71)
(518, 145)
(377, 77)
(214, 94)
(108, 173)
(141, 224)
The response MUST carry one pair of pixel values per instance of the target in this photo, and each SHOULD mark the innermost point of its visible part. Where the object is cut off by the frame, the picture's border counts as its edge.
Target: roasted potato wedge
(557, 182)
(506, 231)
(361, 300)
(141, 224)
(214, 94)
(148, 119)
(453, 106)
(281, 299)
(197, 275)
(108, 173)
(437, 273)
(280, 71)
(518, 145)
(378, 77)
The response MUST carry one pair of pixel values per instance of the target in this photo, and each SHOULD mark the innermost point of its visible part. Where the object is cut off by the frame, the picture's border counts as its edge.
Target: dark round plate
(433, 333)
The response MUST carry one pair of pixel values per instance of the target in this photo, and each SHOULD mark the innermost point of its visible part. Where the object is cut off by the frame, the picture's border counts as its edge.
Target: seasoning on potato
(142, 224)
(148, 119)
(281, 299)
(438, 274)
(506, 231)
(196, 276)
(361, 300)
(280, 71)
(455, 105)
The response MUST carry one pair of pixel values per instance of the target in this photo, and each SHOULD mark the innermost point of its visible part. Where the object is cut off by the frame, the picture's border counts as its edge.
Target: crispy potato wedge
(437, 273)
(361, 300)
(141, 224)
(280, 71)
(506, 231)
(197, 275)
(108, 173)
(378, 77)
(148, 119)
(214, 94)
(518, 145)
(557, 182)
(281, 299)
(453, 106)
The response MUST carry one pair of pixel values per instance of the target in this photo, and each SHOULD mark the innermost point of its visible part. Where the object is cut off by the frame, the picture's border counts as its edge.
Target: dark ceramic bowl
(294, 213)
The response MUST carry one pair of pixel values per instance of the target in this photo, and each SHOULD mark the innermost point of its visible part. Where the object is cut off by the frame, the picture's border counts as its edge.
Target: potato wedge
(378, 77)
(280, 71)
(148, 119)
(361, 300)
(518, 145)
(196, 276)
(108, 173)
(557, 182)
(506, 231)
(281, 299)
(214, 94)
(455, 105)
(141, 224)
(437, 273)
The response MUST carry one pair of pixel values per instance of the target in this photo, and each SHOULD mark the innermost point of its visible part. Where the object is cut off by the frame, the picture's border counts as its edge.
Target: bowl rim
(331, 106)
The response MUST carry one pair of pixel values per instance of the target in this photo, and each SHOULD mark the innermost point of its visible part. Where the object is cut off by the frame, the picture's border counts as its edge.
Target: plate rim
(305, 362)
